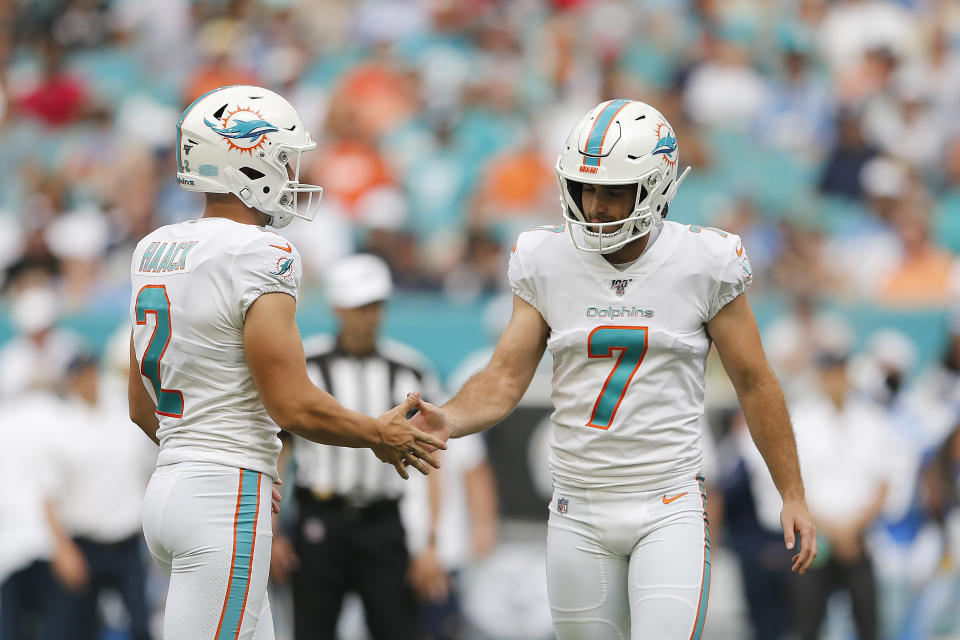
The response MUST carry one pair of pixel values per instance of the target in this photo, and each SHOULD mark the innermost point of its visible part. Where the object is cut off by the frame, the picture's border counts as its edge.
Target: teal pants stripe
(244, 538)
(705, 583)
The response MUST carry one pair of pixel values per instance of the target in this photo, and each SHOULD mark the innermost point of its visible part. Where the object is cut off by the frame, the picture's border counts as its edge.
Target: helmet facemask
(287, 204)
(608, 237)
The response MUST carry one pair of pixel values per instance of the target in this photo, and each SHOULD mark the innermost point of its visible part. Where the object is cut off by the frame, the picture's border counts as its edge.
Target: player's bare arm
(490, 395)
(482, 502)
(426, 573)
(734, 331)
(274, 354)
(142, 408)
(68, 564)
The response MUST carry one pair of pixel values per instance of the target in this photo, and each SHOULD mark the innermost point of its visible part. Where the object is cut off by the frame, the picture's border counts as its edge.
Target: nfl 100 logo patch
(562, 505)
(620, 286)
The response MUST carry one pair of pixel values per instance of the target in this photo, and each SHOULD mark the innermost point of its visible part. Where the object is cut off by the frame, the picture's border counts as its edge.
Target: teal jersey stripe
(242, 555)
(705, 584)
(599, 130)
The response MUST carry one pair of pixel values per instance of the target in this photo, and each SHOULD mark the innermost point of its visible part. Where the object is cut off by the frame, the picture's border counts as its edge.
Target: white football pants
(208, 527)
(629, 565)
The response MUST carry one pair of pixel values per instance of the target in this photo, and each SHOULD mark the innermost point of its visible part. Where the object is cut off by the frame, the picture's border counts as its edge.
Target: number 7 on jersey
(602, 342)
(153, 299)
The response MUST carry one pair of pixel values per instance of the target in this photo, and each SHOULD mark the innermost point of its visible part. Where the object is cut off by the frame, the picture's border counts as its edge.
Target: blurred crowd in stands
(824, 132)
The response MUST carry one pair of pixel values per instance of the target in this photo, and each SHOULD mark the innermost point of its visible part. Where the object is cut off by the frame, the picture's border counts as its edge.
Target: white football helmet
(247, 141)
(619, 142)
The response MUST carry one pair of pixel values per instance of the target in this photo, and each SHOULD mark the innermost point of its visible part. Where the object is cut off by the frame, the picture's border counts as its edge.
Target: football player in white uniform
(217, 364)
(628, 305)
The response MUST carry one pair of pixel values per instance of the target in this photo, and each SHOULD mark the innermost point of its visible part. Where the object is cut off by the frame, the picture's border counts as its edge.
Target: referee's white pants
(622, 565)
(208, 527)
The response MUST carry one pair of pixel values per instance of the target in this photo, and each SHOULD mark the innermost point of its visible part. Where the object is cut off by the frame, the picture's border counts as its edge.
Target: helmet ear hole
(575, 189)
(266, 189)
(252, 173)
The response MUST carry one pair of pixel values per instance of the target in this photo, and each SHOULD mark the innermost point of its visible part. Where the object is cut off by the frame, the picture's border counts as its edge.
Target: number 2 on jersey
(153, 299)
(602, 342)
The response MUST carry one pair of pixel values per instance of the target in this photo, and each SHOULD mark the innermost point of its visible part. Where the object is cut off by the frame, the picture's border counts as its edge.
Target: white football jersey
(192, 285)
(629, 350)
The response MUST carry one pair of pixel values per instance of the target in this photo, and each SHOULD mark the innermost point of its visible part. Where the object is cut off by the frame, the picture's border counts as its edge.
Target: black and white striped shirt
(370, 385)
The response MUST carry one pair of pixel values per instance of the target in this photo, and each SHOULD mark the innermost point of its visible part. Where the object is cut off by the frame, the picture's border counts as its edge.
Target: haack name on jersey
(164, 257)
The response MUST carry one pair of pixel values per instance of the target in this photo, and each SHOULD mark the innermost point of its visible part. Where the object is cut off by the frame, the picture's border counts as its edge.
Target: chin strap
(233, 182)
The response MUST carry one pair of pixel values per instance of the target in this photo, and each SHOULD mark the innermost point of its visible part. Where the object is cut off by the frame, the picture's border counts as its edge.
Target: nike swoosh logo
(739, 251)
(667, 500)
(287, 248)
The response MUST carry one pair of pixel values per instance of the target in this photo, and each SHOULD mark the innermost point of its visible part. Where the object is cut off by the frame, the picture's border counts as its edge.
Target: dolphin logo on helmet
(250, 130)
(666, 145)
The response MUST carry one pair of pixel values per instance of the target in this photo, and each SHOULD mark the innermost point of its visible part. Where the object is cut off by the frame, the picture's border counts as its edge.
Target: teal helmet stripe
(599, 131)
(184, 116)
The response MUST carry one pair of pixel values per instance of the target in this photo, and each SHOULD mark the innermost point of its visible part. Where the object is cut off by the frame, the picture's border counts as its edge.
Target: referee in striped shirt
(348, 535)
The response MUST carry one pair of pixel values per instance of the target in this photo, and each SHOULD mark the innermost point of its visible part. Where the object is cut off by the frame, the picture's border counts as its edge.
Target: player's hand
(277, 498)
(283, 559)
(431, 419)
(795, 518)
(429, 579)
(70, 566)
(402, 444)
